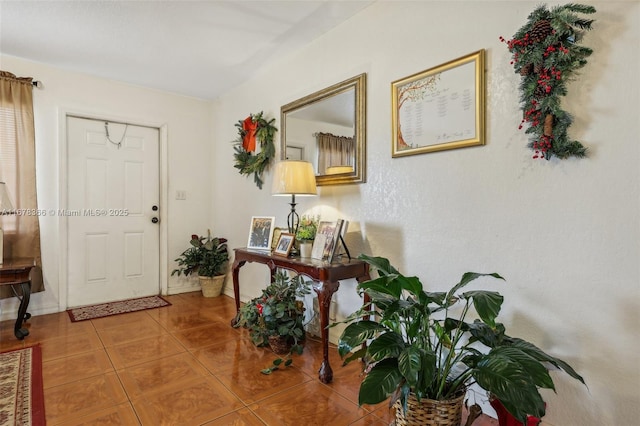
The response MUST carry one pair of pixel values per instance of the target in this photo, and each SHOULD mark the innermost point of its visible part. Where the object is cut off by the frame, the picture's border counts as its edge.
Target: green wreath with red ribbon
(252, 130)
(546, 53)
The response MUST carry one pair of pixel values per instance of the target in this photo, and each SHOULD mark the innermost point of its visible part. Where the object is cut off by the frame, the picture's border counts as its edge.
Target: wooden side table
(15, 273)
(326, 276)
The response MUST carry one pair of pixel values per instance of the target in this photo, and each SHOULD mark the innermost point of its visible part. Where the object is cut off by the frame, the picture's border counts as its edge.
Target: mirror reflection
(327, 128)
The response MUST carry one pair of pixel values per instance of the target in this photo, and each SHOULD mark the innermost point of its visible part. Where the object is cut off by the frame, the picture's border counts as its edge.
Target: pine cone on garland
(540, 31)
(548, 125)
(537, 69)
(526, 70)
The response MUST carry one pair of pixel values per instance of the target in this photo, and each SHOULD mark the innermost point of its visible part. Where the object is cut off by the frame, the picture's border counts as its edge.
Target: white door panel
(113, 246)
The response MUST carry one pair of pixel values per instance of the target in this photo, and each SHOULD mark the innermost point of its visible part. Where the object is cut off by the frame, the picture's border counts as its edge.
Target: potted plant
(208, 257)
(306, 233)
(420, 348)
(276, 318)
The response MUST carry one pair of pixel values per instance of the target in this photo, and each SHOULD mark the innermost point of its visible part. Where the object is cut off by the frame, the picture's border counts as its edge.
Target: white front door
(113, 198)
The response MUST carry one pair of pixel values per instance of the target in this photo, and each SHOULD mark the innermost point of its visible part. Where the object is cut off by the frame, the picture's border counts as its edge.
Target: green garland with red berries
(547, 54)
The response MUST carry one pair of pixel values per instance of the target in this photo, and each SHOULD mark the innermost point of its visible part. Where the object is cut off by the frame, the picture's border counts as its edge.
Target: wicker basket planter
(212, 286)
(429, 412)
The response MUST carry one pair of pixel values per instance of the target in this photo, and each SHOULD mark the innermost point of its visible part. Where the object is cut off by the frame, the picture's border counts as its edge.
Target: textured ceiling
(194, 48)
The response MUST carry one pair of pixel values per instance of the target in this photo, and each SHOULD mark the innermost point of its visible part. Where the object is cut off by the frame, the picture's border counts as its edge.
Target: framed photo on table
(440, 108)
(318, 246)
(336, 240)
(284, 244)
(261, 232)
(327, 237)
(276, 237)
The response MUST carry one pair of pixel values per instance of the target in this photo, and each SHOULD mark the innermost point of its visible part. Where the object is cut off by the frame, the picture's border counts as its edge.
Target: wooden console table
(15, 272)
(326, 276)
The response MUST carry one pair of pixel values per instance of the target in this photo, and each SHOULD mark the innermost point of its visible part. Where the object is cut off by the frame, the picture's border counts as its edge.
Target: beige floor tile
(44, 327)
(144, 350)
(175, 319)
(69, 344)
(73, 368)
(83, 397)
(227, 354)
(118, 415)
(128, 332)
(132, 319)
(161, 374)
(242, 417)
(198, 337)
(311, 403)
(192, 403)
(245, 379)
(370, 420)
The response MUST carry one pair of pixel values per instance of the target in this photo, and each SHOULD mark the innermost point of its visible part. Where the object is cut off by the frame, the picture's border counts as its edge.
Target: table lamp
(294, 177)
(6, 207)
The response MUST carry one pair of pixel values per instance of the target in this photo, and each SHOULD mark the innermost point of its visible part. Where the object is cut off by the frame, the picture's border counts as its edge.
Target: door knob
(154, 220)
(154, 208)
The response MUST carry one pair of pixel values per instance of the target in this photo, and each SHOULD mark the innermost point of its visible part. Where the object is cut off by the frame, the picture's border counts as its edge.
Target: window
(8, 162)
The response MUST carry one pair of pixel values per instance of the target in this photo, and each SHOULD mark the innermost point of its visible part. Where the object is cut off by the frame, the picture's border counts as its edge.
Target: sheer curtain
(17, 170)
(334, 151)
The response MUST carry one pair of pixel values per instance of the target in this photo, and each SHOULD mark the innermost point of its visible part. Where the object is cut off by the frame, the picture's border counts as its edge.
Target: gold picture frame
(440, 108)
(284, 244)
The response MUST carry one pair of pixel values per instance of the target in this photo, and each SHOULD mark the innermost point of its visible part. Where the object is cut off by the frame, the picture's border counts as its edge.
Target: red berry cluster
(517, 45)
(546, 76)
(542, 146)
(551, 49)
(532, 115)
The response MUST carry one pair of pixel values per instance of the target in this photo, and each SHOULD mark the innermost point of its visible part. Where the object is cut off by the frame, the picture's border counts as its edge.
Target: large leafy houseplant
(421, 342)
(278, 312)
(207, 256)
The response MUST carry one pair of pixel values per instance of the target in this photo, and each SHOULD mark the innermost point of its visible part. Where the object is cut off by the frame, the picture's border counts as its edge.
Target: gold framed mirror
(328, 129)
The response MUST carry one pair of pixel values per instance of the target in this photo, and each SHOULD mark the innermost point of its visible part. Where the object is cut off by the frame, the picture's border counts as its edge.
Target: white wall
(565, 234)
(188, 125)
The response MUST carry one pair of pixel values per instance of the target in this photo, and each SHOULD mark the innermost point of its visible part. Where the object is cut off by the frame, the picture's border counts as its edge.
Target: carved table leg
(20, 332)
(236, 287)
(325, 293)
(273, 269)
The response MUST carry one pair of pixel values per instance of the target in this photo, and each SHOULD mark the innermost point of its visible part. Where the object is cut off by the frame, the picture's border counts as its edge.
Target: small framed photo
(337, 233)
(318, 246)
(285, 242)
(326, 239)
(261, 232)
(276, 236)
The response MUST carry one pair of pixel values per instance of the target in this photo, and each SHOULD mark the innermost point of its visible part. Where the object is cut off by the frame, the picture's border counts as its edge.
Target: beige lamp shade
(293, 177)
(6, 206)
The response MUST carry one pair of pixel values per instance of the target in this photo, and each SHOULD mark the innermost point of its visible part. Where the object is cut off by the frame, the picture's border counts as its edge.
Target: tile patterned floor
(185, 365)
